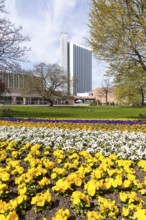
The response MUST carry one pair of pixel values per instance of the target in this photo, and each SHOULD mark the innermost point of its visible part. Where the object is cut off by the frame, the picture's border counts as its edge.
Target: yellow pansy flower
(126, 184)
(123, 196)
(125, 212)
(142, 164)
(47, 196)
(62, 185)
(38, 200)
(53, 175)
(91, 187)
(5, 176)
(97, 173)
(78, 181)
(22, 189)
(44, 181)
(131, 177)
(78, 197)
(12, 216)
(93, 215)
(142, 191)
(21, 198)
(13, 203)
(2, 217)
(144, 181)
(62, 214)
(41, 198)
(140, 214)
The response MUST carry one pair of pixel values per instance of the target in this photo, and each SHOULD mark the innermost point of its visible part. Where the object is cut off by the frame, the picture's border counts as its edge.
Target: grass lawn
(77, 112)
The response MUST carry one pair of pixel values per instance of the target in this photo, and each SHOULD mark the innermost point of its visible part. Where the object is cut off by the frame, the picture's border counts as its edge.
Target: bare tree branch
(48, 81)
(11, 40)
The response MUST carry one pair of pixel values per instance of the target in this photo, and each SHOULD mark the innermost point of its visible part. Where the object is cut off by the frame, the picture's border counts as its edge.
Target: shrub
(93, 103)
(5, 112)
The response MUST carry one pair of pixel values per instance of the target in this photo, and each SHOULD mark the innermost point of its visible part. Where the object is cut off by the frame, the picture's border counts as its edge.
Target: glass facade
(78, 62)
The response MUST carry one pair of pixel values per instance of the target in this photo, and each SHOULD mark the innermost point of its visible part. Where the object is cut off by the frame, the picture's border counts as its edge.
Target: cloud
(44, 20)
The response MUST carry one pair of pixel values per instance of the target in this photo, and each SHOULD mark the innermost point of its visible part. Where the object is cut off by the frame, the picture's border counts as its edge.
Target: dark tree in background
(2, 87)
(11, 49)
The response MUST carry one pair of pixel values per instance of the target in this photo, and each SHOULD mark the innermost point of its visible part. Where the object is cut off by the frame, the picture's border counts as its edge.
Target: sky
(44, 20)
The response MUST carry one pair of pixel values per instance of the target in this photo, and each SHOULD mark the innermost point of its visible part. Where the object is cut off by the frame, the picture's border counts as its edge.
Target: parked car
(79, 101)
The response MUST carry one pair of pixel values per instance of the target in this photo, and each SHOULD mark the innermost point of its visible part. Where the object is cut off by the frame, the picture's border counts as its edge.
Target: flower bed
(127, 145)
(71, 174)
(104, 125)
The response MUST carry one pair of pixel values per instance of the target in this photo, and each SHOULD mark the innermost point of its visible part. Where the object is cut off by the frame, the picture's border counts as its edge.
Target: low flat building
(17, 93)
(100, 96)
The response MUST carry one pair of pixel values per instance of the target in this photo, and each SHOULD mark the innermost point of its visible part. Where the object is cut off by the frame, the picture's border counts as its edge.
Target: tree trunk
(106, 97)
(142, 97)
(50, 102)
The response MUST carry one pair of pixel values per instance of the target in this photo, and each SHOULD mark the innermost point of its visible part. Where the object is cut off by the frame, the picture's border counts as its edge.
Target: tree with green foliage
(118, 36)
(130, 85)
(118, 30)
(128, 95)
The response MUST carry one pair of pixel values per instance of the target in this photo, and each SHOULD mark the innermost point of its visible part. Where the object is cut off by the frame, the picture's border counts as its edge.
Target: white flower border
(127, 145)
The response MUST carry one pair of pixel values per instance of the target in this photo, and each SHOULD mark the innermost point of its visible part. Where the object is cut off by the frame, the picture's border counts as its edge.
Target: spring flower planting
(72, 170)
(125, 144)
(104, 125)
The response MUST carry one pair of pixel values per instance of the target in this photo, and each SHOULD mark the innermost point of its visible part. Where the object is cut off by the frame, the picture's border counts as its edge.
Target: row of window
(13, 80)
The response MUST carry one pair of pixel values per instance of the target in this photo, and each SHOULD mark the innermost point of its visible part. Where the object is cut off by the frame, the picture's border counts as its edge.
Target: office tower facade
(76, 61)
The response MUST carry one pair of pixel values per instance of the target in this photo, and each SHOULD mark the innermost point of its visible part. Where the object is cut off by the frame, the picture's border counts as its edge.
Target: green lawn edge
(77, 112)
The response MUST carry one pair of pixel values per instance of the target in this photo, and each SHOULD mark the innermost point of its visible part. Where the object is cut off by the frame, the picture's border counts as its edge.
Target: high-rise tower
(76, 61)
